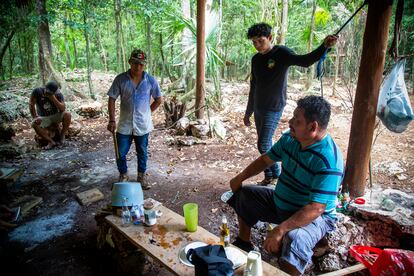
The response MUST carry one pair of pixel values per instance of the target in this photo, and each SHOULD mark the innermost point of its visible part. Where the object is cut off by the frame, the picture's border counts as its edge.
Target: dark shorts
(254, 203)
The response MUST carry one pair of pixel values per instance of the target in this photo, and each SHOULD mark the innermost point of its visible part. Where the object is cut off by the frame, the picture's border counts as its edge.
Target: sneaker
(123, 177)
(141, 179)
(243, 245)
(268, 181)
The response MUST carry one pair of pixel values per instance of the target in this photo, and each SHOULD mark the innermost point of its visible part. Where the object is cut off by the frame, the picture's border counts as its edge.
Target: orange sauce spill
(177, 241)
(159, 232)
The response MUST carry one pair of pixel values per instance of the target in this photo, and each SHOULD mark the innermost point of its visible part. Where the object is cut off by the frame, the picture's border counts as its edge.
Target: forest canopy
(99, 35)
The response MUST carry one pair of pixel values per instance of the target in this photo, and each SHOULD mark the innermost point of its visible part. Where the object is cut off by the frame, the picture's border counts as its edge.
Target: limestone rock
(186, 141)
(330, 262)
(90, 110)
(200, 131)
(182, 126)
(74, 129)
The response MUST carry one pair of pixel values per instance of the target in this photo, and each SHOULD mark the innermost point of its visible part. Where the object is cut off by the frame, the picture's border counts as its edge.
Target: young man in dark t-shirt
(47, 107)
(267, 96)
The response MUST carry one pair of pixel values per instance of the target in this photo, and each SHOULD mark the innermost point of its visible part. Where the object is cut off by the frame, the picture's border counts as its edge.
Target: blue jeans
(141, 146)
(266, 124)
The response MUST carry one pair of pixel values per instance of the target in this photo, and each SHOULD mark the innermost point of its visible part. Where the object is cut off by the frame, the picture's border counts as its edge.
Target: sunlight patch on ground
(45, 228)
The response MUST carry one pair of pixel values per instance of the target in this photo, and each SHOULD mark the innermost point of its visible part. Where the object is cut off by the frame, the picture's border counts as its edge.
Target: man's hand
(111, 126)
(273, 242)
(330, 41)
(246, 120)
(236, 183)
(38, 120)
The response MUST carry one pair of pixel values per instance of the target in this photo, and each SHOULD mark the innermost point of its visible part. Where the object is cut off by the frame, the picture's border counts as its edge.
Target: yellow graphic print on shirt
(271, 63)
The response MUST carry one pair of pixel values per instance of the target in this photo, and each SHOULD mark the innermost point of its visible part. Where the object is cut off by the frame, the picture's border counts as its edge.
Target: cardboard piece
(87, 197)
(27, 202)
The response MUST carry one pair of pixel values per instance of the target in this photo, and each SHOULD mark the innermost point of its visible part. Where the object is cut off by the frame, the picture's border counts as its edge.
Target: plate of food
(235, 255)
(182, 254)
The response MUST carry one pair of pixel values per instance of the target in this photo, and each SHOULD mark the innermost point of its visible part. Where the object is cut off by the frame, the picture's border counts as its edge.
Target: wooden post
(366, 97)
(201, 53)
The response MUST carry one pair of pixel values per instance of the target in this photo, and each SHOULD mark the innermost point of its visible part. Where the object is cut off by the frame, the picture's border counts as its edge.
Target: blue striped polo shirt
(313, 174)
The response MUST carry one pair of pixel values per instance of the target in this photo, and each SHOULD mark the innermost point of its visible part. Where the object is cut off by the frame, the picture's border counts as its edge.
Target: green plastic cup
(191, 216)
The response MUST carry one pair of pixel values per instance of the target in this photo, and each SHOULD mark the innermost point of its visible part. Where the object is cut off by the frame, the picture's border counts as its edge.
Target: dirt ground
(58, 236)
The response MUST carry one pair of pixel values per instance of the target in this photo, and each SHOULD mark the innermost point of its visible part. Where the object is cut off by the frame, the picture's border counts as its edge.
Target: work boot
(268, 181)
(141, 179)
(123, 177)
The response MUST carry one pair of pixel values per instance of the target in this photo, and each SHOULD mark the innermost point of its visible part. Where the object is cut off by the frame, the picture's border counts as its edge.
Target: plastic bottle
(136, 215)
(126, 214)
(224, 232)
(388, 204)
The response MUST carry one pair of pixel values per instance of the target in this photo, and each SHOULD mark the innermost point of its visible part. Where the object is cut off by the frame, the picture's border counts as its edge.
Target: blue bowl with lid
(130, 190)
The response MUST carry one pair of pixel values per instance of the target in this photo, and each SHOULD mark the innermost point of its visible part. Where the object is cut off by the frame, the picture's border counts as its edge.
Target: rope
(320, 68)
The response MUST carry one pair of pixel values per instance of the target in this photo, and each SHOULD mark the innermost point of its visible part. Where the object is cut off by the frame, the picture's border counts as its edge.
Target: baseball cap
(52, 86)
(137, 55)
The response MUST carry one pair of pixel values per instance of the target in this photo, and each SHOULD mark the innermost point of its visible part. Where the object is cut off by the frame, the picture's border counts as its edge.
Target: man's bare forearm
(256, 167)
(303, 217)
(156, 103)
(32, 107)
(61, 106)
(111, 109)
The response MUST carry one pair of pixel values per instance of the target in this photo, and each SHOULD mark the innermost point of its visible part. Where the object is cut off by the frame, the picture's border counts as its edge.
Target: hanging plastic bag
(394, 108)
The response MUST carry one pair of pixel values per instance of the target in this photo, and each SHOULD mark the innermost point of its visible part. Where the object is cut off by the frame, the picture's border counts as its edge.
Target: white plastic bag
(394, 108)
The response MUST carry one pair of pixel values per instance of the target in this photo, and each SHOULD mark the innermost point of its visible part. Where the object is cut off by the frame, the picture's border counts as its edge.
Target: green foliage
(228, 52)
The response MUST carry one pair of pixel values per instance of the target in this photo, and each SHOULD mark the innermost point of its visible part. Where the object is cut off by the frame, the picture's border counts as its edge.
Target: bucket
(130, 190)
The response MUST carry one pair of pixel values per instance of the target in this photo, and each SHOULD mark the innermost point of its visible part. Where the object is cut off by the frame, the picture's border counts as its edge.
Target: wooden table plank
(345, 271)
(164, 240)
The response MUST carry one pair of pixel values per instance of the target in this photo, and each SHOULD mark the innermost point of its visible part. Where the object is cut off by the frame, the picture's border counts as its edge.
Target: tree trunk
(412, 78)
(185, 43)
(74, 45)
(338, 56)
(11, 62)
(47, 69)
(66, 41)
(3, 51)
(366, 97)
(88, 59)
(276, 21)
(28, 49)
(164, 61)
(201, 52)
(102, 48)
(284, 22)
(310, 69)
(120, 56)
(149, 44)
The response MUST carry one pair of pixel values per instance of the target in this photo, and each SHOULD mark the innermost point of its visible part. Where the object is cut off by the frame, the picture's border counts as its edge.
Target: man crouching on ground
(304, 199)
(47, 107)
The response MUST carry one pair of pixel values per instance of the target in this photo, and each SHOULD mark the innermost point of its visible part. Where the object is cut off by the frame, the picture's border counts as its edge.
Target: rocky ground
(58, 235)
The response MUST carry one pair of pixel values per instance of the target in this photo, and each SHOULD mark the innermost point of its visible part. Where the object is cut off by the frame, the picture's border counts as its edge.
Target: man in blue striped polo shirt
(304, 199)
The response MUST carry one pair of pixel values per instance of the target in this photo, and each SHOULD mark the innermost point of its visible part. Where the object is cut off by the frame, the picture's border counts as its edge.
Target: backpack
(210, 260)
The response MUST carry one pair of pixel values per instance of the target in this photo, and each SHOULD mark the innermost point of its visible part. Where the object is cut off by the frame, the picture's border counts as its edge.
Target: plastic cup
(191, 216)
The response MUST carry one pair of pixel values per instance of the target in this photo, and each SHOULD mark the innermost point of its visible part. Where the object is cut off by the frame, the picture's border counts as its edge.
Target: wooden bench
(164, 240)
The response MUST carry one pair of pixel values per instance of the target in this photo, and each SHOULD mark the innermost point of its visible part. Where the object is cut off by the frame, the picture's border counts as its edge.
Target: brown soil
(179, 174)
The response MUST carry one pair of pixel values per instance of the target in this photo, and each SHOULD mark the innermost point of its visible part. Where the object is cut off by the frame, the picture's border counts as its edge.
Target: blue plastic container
(130, 190)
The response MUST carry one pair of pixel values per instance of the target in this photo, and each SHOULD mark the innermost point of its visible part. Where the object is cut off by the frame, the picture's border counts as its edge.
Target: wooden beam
(366, 97)
(201, 53)
(345, 271)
